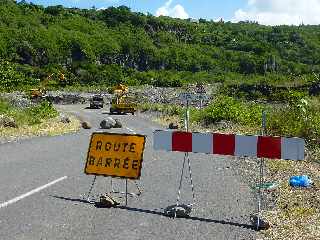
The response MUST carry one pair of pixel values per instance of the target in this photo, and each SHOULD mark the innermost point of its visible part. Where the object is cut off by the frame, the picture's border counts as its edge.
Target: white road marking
(131, 130)
(14, 200)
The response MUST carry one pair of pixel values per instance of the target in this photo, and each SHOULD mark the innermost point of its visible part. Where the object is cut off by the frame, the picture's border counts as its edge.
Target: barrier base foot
(259, 224)
(180, 211)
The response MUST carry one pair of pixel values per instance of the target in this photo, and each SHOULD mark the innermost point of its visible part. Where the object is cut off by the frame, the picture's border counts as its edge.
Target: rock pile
(17, 99)
(64, 98)
(60, 97)
(162, 95)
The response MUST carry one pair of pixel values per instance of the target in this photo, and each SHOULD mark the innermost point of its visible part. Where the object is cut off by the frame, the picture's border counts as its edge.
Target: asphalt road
(42, 185)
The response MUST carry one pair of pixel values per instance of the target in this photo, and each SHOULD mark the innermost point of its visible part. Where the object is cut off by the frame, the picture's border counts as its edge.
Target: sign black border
(119, 134)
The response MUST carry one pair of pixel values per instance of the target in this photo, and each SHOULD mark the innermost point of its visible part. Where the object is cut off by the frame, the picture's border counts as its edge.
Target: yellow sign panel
(115, 155)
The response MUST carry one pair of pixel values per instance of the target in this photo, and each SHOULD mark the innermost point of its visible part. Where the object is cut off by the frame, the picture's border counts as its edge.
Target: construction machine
(38, 93)
(121, 103)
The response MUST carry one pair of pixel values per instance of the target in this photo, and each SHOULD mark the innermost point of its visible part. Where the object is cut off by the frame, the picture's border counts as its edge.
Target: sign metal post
(126, 192)
(91, 188)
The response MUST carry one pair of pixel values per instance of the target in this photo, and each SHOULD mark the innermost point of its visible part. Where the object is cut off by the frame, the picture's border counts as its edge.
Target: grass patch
(299, 118)
(50, 127)
(28, 116)
(297, 214)
(169, 110)
(39, 120)
(229, 109)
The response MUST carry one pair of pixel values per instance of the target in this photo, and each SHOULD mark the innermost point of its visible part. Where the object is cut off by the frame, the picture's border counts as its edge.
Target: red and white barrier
(229, 144)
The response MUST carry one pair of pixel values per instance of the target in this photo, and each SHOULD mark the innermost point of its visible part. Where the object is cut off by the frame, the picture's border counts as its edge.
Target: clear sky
(270, 12)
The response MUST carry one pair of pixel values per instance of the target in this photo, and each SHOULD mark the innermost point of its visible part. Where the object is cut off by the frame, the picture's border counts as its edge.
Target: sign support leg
(90, 190)
(126, 192)
(137, 186)
(111, 183)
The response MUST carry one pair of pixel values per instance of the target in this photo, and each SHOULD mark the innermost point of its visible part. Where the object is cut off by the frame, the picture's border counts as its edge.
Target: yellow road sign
(115, 155)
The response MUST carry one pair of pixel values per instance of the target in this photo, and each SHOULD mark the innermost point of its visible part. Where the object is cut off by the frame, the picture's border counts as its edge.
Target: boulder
(105, 124)
(118, 124)
(111, 121)
(65, 119)
(314, 89)
(86, 125)
(182, 211)
(6, 121)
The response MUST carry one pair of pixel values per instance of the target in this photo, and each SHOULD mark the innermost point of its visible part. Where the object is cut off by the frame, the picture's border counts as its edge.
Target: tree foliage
(117, 45)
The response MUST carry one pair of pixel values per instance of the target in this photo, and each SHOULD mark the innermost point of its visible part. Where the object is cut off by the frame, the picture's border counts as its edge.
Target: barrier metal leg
(179, 190)
(191, 181)
(260, 193)
(261, 174)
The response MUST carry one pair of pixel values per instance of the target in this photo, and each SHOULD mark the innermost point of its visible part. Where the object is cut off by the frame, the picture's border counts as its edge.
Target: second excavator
(121, 103)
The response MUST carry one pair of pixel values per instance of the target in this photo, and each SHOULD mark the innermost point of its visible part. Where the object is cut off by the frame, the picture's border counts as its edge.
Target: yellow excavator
(38, 93)
(121, 103)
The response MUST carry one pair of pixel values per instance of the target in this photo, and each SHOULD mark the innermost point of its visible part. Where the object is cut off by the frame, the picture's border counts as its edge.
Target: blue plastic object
(300, 181)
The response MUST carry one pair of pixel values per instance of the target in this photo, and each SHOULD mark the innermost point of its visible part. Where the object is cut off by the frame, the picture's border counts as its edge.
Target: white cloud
(177, 11)
(278, 12)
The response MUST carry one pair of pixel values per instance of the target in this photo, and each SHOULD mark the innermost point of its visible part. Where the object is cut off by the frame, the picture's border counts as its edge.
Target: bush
(43, 111)
(10, 79)
(230, 109)
(29, 116)
(170, 110)
(300, 118)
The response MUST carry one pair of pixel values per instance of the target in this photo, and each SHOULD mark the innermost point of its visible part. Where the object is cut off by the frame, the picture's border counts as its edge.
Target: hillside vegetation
(104, 47)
